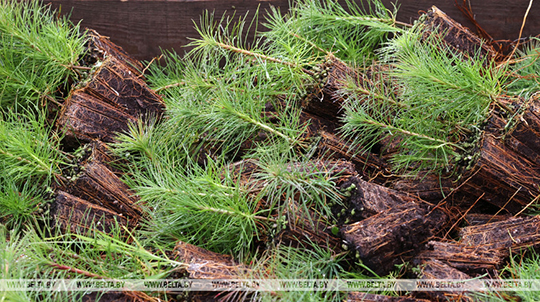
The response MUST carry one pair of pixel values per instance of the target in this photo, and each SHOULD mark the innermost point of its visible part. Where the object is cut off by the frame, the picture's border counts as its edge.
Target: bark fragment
(513, 235)
(205, 264)
(435, 269)
(456, 36)
(429, 187)
(76, 214)
(114, 83)
(86, 118)
(478, 219)
(100, 48)
(99, 185)
(305, 228)
(368, 199)
(326, 102)
(392, 236)
(519, 132)
(506, 179)
(466, 258)
(366, 163)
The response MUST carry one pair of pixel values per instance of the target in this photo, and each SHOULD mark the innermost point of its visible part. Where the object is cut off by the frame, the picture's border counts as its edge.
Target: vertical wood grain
(143, 27)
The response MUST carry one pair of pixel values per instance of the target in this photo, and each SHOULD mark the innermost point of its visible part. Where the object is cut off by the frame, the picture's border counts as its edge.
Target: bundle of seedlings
(339, 143)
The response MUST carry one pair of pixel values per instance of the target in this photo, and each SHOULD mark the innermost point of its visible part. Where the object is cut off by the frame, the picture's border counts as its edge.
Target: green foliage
(18, 203)
(31, 162)
(450, 89)
(291, 263)
(526, 70)
(203, 206)
(286, 176)
(78, 256)
(436, 115)
(20, 259)
(112, 255)
(208, 205)
(29, 149)
(218, 98)
(38, 52)
(230, 100)
(352, 32)
(38, 56)
(525, 266)
(225, 40)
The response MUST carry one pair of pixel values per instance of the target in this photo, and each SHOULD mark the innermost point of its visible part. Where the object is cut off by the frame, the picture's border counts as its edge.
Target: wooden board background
(142, 27)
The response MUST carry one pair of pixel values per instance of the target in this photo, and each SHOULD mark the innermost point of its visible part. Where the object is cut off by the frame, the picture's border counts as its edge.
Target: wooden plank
(143, 27)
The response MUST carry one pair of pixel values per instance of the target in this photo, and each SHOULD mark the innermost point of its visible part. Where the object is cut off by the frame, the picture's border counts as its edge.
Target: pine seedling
(31, 163)
(203, 206)
(290, 263)
(221, 100)
(525, 80)
(79, 256)
(285, 177)
(290, 69)
(110, 255)
(524, 265)
(38, 53)
(17, 262)
(29, 149)
(352, 32)
(20, 202)
(444, 84)
(443, 99)
(139, 142)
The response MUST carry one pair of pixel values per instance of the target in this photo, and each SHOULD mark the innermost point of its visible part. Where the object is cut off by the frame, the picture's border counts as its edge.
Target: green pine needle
(289, 263)
(203, 206)
(285, 176)
(38, 52)
(19, 203)
(441, 102)
(29, 149)
(223, 106)
(351, 32)
(525, 81)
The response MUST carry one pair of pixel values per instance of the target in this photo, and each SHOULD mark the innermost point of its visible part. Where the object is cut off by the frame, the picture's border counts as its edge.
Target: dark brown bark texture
(115, 96)
(435, 269)
(76, 214)
(459, 38)
(471, 259)
(393, 235)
